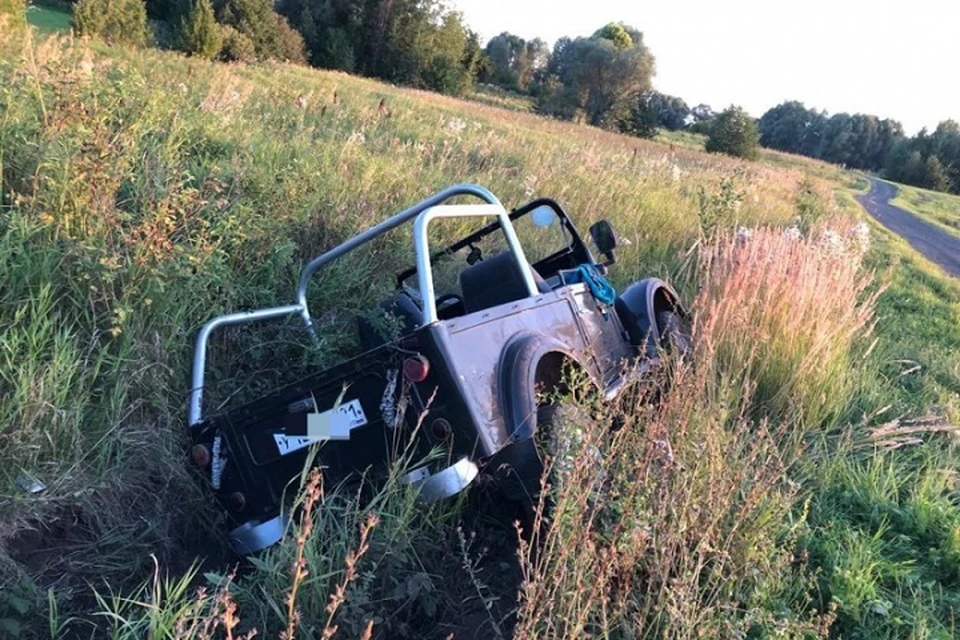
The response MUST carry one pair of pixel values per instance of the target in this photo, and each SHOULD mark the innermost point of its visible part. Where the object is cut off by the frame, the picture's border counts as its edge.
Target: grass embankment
(49, 17)
(940, 209)
(144, 192)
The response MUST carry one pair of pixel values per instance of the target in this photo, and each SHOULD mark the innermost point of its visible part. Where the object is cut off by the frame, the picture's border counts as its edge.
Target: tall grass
(688, 524)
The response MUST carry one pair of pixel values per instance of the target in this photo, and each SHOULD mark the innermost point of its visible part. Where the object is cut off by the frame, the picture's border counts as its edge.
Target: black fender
(638, 305)
(517, 380)
(518, 463)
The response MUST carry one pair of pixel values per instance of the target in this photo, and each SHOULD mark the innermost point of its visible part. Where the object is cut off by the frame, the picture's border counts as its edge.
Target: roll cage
(422, 214)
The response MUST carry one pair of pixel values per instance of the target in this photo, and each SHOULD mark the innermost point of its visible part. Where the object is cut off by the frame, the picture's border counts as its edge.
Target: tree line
(419, 43)
(929, 160)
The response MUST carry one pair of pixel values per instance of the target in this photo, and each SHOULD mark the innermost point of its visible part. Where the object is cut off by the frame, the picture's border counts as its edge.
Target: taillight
(416, 368)
(201, 455)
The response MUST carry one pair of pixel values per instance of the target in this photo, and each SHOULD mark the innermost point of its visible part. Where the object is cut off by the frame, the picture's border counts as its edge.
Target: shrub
(116, 21)
(14, 11)
(734, 133)
(236, 46)
(199, 33)
(289, 43)
(271, 34)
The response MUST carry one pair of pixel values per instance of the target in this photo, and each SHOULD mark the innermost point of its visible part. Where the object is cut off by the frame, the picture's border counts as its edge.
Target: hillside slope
(144, 192)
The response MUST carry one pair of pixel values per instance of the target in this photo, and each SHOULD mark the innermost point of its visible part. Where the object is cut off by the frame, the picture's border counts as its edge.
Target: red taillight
(416, 368)
(200, 455)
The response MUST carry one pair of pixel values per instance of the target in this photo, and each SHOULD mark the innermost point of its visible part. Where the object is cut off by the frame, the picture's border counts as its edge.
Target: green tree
(785, 126)
(641, 119)
(734, 133)
(934, 175)
(597, 75)
(14, 11)
(271, 35)
(200, 35)
(116, 21)
(670, 112)
(617, 34)
(236, 46)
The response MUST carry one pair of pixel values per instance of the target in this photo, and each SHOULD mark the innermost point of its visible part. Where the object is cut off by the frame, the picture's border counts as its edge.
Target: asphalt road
(937, 245)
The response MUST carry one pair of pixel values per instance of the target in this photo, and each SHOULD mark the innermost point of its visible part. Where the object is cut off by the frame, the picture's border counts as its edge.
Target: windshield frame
(576, 246)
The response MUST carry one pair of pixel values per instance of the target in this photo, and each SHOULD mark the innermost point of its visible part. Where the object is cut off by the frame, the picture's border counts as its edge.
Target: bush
(16, 10)
(289, 43)
(271, 34)
(116, 21)
(734, 133)
(236, 46)
(199, 33)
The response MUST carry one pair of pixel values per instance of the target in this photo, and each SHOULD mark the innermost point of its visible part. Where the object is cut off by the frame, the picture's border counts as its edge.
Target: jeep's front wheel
(674, 334)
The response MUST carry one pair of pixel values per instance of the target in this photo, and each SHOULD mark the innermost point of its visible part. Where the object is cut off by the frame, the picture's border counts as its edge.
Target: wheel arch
(638, 306)
(531, 363)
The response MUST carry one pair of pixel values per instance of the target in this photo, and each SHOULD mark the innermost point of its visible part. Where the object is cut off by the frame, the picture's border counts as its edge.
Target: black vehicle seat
(494, 281)
(401, 306)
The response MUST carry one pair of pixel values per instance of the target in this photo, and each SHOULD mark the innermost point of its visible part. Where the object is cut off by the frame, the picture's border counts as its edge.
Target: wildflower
(529, 185)
(832, 240)
(456, 125)
(861, 235)
(743, 234)
(357, 137)
(792, 233)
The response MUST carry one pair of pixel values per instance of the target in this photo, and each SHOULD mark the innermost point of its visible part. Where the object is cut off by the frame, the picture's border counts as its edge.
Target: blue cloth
(602, 290)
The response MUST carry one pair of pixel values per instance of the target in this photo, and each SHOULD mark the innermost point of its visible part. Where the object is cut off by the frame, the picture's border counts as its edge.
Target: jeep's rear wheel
(563, 437)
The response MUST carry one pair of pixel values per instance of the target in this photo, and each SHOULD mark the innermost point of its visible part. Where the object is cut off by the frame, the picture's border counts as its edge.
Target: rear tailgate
(262, 452)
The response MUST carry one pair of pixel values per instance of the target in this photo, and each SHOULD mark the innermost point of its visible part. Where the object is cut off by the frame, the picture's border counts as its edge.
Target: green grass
(681, 139)
(49, 18)
(495, 96)
(144, 192)
(940, 209)
(919, 321)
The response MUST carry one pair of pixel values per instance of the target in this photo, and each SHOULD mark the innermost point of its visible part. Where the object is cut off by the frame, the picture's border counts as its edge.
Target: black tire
(674, 333)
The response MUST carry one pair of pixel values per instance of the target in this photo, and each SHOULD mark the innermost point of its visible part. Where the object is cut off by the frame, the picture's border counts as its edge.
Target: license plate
(333, 424)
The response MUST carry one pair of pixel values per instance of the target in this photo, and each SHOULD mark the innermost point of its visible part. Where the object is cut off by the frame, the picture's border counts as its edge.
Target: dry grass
(685, 526)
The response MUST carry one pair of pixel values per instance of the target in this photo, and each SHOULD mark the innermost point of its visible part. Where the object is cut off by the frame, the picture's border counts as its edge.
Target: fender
(517, 379)
(518, 463)
(638, 306)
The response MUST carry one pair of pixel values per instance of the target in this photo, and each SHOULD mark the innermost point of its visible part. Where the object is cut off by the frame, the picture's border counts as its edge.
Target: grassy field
(799, 479)
(941, 209)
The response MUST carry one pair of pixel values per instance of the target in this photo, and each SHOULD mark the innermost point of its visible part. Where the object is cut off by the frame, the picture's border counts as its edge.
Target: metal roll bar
(195, 413)
(420, 243)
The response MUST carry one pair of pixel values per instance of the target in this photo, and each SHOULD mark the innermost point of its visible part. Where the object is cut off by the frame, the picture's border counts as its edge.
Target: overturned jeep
(473, 341)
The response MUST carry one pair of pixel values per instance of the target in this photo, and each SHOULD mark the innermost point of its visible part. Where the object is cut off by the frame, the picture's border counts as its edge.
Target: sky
(897, 60)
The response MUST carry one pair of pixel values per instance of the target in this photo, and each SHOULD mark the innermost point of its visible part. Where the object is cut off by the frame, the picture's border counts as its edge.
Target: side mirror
(605, 238)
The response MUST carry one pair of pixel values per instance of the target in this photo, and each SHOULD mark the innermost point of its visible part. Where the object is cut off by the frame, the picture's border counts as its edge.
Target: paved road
(937, 245)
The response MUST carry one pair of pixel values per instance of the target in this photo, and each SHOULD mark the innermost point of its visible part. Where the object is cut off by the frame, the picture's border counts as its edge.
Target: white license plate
(333, 424)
